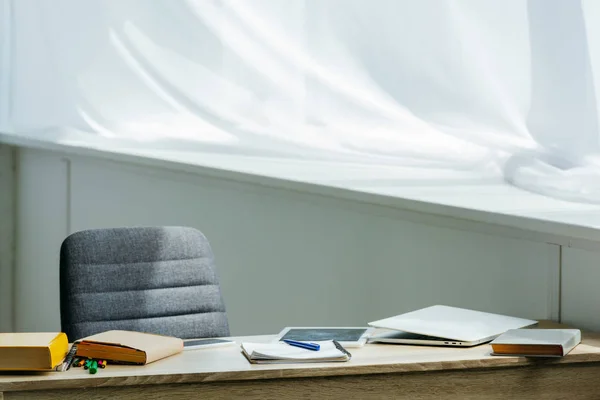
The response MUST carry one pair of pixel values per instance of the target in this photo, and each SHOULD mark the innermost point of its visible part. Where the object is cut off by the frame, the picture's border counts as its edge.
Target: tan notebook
(128, 347)
(32, 351)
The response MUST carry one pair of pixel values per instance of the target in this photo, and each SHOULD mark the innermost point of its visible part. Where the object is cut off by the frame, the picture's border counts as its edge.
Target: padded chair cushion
(157, 279)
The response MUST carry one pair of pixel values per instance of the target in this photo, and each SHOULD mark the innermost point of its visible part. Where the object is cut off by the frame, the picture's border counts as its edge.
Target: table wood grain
(375, 370)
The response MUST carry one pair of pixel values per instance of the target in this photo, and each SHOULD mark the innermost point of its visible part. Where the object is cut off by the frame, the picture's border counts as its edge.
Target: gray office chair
(157, 279)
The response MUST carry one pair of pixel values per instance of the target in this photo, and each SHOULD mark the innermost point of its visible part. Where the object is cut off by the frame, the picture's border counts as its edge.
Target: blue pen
(308, 346)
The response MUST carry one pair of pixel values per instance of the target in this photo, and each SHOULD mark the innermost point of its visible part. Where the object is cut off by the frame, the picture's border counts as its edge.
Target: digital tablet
(194, 344)
(346, 336)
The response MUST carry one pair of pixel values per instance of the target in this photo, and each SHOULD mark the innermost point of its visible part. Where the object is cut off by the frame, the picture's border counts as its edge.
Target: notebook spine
(342, 349)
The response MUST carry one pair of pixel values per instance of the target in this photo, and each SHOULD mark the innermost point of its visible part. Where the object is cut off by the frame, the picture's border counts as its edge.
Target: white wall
(284, 257)
(581, 288)
(7, 243)
(42, 224)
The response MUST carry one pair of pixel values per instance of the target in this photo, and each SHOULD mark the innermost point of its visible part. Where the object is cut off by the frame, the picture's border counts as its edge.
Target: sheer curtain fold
(505, 89)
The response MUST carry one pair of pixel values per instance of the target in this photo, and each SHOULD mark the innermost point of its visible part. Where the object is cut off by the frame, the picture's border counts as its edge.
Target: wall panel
(7, 239)
(284, 257)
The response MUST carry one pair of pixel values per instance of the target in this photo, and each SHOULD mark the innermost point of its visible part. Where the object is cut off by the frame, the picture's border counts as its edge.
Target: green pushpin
(94, 367)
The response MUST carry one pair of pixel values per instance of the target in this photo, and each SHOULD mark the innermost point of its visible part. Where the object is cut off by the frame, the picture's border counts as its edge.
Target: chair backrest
(156, 279)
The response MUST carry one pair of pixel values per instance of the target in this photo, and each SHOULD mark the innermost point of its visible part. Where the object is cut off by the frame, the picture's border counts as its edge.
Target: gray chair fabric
(156, 279)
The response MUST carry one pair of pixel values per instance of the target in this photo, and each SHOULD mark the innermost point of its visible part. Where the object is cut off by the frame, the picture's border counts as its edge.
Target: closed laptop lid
(453, 323)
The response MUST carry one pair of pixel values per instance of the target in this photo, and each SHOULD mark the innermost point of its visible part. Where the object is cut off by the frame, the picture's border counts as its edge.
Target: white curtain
(502, 88)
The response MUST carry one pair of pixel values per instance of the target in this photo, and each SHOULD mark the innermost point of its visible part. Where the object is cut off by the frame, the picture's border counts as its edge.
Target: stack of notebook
(277, 353)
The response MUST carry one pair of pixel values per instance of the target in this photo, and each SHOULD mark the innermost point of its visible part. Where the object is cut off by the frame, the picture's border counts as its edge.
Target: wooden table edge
(326, 370)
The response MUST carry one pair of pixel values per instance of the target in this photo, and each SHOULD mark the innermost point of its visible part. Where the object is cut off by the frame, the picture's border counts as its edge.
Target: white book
(536, 342)
(276, 353)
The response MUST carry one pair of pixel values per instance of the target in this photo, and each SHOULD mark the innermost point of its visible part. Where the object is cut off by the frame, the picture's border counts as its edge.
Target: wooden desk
(375, 371)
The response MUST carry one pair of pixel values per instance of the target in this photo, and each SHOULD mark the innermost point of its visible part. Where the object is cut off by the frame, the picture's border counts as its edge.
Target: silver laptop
(445, 326)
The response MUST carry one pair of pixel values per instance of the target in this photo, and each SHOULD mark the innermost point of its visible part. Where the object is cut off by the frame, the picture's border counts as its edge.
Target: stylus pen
(309, 346)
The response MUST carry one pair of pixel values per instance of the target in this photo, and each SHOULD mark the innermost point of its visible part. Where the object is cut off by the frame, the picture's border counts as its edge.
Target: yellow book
(32, 351)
